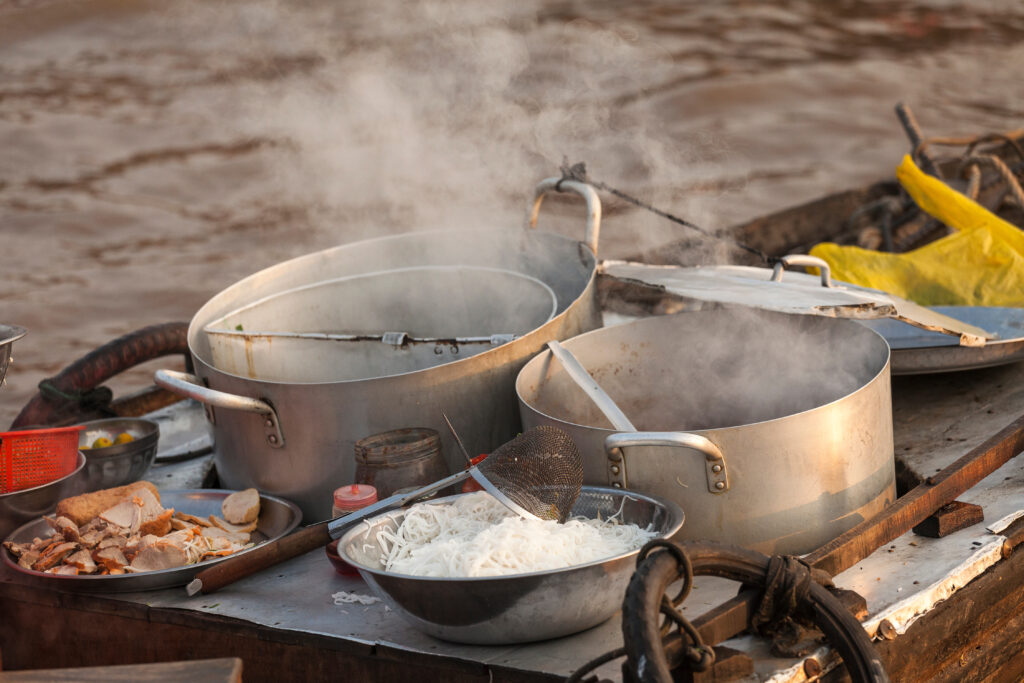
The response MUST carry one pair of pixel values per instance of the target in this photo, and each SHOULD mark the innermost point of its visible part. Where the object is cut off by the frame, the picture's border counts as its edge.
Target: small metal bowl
(19, 507)
(119, 464)
(519, 608)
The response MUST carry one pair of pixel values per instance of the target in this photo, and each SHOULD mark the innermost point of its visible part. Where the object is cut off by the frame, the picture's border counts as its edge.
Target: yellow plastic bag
(982, 264)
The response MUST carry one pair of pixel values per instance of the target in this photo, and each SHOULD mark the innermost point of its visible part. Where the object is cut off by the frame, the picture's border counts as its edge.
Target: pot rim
(865, 386)
(205, 368)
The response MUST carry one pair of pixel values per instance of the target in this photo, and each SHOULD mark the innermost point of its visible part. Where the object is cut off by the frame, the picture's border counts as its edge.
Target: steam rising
(442, 114)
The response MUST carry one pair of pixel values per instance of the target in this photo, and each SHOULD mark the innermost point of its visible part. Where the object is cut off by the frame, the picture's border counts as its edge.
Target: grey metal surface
(378, 324)
(277, 518)
(916, 351)
(185, 432)
(799, 407)
(517, 608)
(18, 507)
(320, 421)
(120, 463)
(8, 335)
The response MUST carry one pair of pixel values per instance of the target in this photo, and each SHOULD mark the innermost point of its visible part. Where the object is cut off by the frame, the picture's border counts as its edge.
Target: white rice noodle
(478, 536)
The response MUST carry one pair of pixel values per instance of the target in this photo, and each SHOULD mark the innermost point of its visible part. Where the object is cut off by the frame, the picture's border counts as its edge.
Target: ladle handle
(582, 189)
(714, 460)
(188, 385)
(590, 387)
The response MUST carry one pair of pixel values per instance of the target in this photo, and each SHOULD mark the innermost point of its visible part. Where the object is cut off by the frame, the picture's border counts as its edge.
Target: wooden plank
(949, 518)
(223, 670)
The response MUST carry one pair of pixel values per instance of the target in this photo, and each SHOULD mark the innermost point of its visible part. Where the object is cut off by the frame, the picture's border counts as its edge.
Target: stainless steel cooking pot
(772, 431)
(294, 438)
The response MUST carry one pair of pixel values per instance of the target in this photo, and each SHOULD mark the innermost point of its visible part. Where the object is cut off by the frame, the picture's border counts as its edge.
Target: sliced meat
(65, 527)
(185, 517)
(111, 558)
(125, 514)
(159, 555)
(241, 507)
(215, 533)
(28, 558)
(159, 525)
(233, 528)
(64, 570)
(83, 560)
(117, 541)
(17, 549)
(53, 555)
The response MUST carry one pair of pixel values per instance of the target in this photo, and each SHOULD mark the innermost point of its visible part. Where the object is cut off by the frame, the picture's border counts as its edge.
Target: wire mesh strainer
(537, 474)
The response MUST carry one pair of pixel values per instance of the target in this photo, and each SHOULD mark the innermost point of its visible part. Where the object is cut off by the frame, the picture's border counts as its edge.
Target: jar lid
(354, 496)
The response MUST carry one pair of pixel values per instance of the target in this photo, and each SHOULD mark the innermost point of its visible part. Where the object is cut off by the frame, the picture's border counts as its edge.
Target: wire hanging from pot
(578, 172)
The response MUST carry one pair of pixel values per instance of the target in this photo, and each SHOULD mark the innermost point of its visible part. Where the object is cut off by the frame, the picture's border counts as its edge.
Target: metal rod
(462, 447)
(590, 387)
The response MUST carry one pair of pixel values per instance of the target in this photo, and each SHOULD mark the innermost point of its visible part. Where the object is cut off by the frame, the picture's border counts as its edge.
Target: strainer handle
(714, 459)
(184, 384)
(582, 189)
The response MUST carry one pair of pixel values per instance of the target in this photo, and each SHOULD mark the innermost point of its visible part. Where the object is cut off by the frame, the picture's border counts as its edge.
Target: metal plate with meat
(277, 517)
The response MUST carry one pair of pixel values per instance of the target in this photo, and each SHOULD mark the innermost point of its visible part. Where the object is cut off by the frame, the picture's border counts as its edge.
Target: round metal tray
(277, 518)
(918, 352)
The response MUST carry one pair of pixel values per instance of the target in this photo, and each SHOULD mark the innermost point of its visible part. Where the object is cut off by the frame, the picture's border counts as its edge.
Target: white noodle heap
(478, 536)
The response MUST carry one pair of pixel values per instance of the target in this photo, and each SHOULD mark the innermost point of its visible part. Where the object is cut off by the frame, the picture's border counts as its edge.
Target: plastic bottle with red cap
(348, 498)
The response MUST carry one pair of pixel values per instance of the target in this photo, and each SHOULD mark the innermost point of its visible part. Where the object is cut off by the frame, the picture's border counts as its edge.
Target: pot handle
(582, 189)
(802, 260)
(188, 385)
(714, 460)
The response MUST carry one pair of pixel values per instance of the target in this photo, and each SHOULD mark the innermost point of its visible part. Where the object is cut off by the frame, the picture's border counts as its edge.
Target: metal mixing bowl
(121, 463)
(22, 506)
(518, 608)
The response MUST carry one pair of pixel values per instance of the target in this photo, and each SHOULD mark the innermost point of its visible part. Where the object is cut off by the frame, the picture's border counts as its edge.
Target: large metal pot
(772, 431)
(295, 438)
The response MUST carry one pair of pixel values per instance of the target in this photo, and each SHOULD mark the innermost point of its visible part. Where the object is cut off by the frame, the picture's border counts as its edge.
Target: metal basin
(521, 607)
(771, 431)
(118, 464)
(295, 439)
(8, 335)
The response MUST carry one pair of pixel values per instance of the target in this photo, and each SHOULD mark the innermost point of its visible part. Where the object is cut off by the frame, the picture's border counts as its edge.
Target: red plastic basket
(34, 457)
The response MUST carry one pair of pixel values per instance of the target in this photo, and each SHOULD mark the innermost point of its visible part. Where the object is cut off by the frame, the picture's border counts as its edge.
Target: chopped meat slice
(159, 525)
(83, 560)
(65, 527)
(159, 555)
(241, 507)
(28, 558)
(17, 549)
(112, 558)
(117, 541)
(185, 517)
(53, 555)
(64, 570)
(125, 514)
(233, 528)
(214, 533)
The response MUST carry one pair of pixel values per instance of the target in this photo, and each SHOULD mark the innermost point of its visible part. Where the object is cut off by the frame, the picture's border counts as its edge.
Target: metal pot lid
(794, 293)
(10, 333)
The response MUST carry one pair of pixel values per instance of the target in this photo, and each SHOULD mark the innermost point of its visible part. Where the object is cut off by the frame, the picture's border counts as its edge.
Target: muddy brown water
(155, 153)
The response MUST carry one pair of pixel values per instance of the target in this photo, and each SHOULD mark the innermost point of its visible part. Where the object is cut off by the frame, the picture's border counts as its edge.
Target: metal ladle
(591, 388)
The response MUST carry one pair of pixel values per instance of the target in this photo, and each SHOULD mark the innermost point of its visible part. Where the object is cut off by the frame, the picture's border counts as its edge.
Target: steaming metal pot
(772, 431)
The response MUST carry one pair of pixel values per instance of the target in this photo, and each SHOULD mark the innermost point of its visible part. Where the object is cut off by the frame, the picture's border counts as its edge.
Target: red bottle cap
(354, 496)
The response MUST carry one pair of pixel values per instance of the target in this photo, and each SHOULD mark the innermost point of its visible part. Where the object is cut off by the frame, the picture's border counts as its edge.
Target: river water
(154, 153)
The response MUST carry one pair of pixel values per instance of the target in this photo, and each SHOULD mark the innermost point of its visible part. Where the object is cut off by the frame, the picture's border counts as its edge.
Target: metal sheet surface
(916, 351)
(277, 518)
